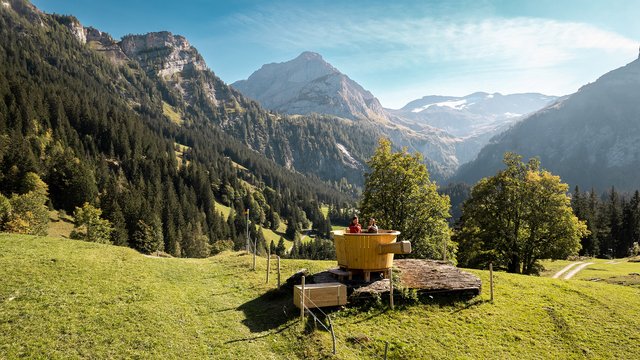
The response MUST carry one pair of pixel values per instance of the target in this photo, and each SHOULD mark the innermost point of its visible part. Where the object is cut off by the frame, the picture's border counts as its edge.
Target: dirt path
(576, 270)
(565, 269)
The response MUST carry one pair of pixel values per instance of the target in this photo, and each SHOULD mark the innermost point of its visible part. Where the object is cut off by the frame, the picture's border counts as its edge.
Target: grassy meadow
(62, 298)
(615, 271)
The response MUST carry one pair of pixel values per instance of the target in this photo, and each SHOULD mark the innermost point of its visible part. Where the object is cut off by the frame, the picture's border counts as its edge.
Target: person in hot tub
(373, 228)
(354, 227)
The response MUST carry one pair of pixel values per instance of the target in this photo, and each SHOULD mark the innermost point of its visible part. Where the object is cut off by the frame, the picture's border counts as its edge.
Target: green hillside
(70, 299)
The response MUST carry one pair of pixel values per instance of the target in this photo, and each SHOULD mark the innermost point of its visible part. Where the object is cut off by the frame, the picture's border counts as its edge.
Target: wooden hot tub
(366, 251)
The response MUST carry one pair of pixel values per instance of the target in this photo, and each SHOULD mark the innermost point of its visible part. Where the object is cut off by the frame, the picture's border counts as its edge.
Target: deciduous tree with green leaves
(26, 213)
(90, 226)
(400, 196)
(516, 217)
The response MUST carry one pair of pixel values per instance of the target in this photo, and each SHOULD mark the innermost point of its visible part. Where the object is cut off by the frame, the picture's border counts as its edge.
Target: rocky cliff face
(95, 39)
(308, 84)
(24, 8)
(589, 138)
(162, 52)
(104, 43)
(171, 58)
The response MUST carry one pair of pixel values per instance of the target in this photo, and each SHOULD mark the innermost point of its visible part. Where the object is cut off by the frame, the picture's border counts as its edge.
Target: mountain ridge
(446, 136)
(179, 66)
(308, 84)
(588, 138)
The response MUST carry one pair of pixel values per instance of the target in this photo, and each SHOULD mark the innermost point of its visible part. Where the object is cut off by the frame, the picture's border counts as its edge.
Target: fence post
(278, 257)
(333, 335)
(386, 347)
(391, 287)
(302, 303)
(268, 265)
(491, 279)
(255, 249)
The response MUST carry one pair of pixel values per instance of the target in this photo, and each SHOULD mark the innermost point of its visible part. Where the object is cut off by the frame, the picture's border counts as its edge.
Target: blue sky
(399, 50)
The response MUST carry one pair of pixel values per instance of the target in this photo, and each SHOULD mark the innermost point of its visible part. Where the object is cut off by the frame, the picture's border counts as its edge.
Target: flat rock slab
(426, 276)
(432, 276)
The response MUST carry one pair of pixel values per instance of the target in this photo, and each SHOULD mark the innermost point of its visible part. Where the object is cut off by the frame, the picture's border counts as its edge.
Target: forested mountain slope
(589, 138)
(96, 127)
(325, 146)
(309, 85)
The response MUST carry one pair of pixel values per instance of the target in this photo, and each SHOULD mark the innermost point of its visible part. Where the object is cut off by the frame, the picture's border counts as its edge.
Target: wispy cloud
(363, 42)
(407, 41)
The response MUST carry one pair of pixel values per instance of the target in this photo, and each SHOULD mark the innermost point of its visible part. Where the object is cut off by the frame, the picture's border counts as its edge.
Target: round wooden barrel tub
(362, 251)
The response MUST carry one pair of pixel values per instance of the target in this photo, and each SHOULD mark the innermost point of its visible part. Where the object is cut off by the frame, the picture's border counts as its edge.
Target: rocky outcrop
(24, 8)
(171, 58)
(308, 84)
(78, 31)
(163, 52)
(104, 43)
(95, 39)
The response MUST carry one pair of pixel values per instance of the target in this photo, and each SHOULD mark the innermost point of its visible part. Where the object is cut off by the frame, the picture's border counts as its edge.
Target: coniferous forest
(613, 220)
(94, 132)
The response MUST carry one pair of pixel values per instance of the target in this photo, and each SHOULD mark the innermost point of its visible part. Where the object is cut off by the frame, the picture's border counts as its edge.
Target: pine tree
(281, 249)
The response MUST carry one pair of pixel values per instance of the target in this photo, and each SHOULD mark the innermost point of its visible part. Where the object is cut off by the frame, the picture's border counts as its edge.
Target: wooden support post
(254, 255)
(278, 257)
(390, 291)
(491, 279)
(367, 276)
(268, 265)
(302, 303)
(386, 348)
(333, 334)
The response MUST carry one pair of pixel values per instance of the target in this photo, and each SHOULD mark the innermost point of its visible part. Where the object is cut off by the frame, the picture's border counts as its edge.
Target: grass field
(225, 210)
(272, 235)
(617, 271)
(69, 299)
(268, 233)
(59, 226)
(325, 210)
(171, 112)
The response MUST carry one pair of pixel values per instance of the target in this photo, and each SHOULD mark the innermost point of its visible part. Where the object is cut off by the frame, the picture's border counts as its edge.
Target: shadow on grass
(269, 311)
(471, 304)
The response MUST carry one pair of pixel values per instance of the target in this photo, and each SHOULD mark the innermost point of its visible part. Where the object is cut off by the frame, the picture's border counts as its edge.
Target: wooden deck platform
(426, 276)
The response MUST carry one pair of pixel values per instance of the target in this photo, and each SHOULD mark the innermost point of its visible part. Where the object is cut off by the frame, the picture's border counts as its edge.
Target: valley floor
(62, 298)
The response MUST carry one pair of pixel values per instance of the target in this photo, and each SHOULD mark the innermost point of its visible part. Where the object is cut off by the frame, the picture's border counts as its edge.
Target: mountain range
(589, 138)
(471, 119)
(309, 85)
(309, 118)
(447, 130)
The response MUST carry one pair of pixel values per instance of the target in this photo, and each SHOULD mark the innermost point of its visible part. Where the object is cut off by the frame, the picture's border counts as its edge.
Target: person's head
(372, 221)
(354, 220)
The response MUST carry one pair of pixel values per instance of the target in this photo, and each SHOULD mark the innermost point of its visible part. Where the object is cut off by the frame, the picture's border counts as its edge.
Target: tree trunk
(514, 265)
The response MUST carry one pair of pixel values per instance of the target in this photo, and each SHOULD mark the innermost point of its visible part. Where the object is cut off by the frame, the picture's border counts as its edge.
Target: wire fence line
(338, 343)
(336, 339)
